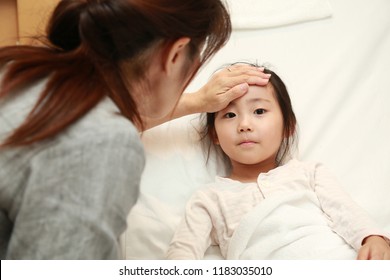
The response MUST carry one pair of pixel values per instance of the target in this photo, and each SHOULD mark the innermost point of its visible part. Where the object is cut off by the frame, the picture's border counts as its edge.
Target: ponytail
(91, 47)
(72, 89)
(63, 28)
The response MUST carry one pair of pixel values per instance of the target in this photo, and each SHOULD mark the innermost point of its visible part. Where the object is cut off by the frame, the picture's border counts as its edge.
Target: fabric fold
(258, 14)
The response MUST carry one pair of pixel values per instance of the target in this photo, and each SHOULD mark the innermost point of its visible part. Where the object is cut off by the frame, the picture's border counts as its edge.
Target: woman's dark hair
(89, 42)
(289, 143)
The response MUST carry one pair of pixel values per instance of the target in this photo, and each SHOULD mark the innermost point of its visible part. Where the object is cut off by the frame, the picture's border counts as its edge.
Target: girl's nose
(244, 126)
(245, 129)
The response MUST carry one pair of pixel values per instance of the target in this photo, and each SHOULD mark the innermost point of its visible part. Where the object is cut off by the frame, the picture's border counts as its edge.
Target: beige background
(20, 19)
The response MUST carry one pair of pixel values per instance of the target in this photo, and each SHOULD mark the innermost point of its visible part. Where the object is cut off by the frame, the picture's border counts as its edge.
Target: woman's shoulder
(100, 135)
(15, 108)
(105, 118)
(103, 125)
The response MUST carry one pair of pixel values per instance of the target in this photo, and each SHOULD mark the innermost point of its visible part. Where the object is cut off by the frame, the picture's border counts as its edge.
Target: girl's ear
(176, 55)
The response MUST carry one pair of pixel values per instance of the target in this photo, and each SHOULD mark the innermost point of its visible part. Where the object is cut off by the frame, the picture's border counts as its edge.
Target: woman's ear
(176, 54)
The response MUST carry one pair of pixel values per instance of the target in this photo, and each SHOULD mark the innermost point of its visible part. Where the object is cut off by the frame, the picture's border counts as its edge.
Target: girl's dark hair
(89, 42)
(290, 139)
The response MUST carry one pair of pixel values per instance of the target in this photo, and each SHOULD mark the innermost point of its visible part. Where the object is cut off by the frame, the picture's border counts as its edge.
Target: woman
(70, 155)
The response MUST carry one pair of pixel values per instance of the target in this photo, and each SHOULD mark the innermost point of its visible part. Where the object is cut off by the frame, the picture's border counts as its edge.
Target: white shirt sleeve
(193, 236)
(347, 218)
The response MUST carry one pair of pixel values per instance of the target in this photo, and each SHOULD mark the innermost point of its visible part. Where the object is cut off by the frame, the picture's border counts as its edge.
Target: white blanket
(288, 227)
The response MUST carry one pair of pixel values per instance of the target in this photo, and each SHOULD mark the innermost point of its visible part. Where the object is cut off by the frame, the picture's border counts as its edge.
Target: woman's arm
(77, 198)
(223, 87)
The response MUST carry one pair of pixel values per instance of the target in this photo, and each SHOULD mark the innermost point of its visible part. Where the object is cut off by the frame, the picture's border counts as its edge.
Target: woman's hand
(374, 248)
(225, 86)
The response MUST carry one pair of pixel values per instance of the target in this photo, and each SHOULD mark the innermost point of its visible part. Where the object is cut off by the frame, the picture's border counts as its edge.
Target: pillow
(175, 168)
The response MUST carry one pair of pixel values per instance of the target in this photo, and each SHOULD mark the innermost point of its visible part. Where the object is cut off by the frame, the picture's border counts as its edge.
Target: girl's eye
(229, 115)
(259, 111)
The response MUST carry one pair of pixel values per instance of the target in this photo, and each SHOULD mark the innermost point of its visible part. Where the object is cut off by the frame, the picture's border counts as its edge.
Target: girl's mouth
(247, 143)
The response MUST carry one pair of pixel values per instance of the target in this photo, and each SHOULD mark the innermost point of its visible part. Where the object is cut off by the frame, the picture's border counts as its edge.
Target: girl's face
(250, 129)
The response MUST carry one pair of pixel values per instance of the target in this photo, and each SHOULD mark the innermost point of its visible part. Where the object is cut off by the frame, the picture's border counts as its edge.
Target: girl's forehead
(260, 93)
(255, 95)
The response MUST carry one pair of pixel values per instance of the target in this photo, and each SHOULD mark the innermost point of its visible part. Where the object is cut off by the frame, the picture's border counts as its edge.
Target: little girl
(271, 206)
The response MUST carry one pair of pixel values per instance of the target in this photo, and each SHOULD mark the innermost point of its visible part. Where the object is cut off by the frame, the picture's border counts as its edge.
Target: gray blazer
(69, 197)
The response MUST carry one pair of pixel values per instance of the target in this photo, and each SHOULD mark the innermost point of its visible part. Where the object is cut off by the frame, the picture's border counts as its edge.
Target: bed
(335, 59)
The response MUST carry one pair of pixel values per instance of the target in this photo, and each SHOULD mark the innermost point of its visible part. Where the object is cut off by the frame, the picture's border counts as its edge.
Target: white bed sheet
(337, 71)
